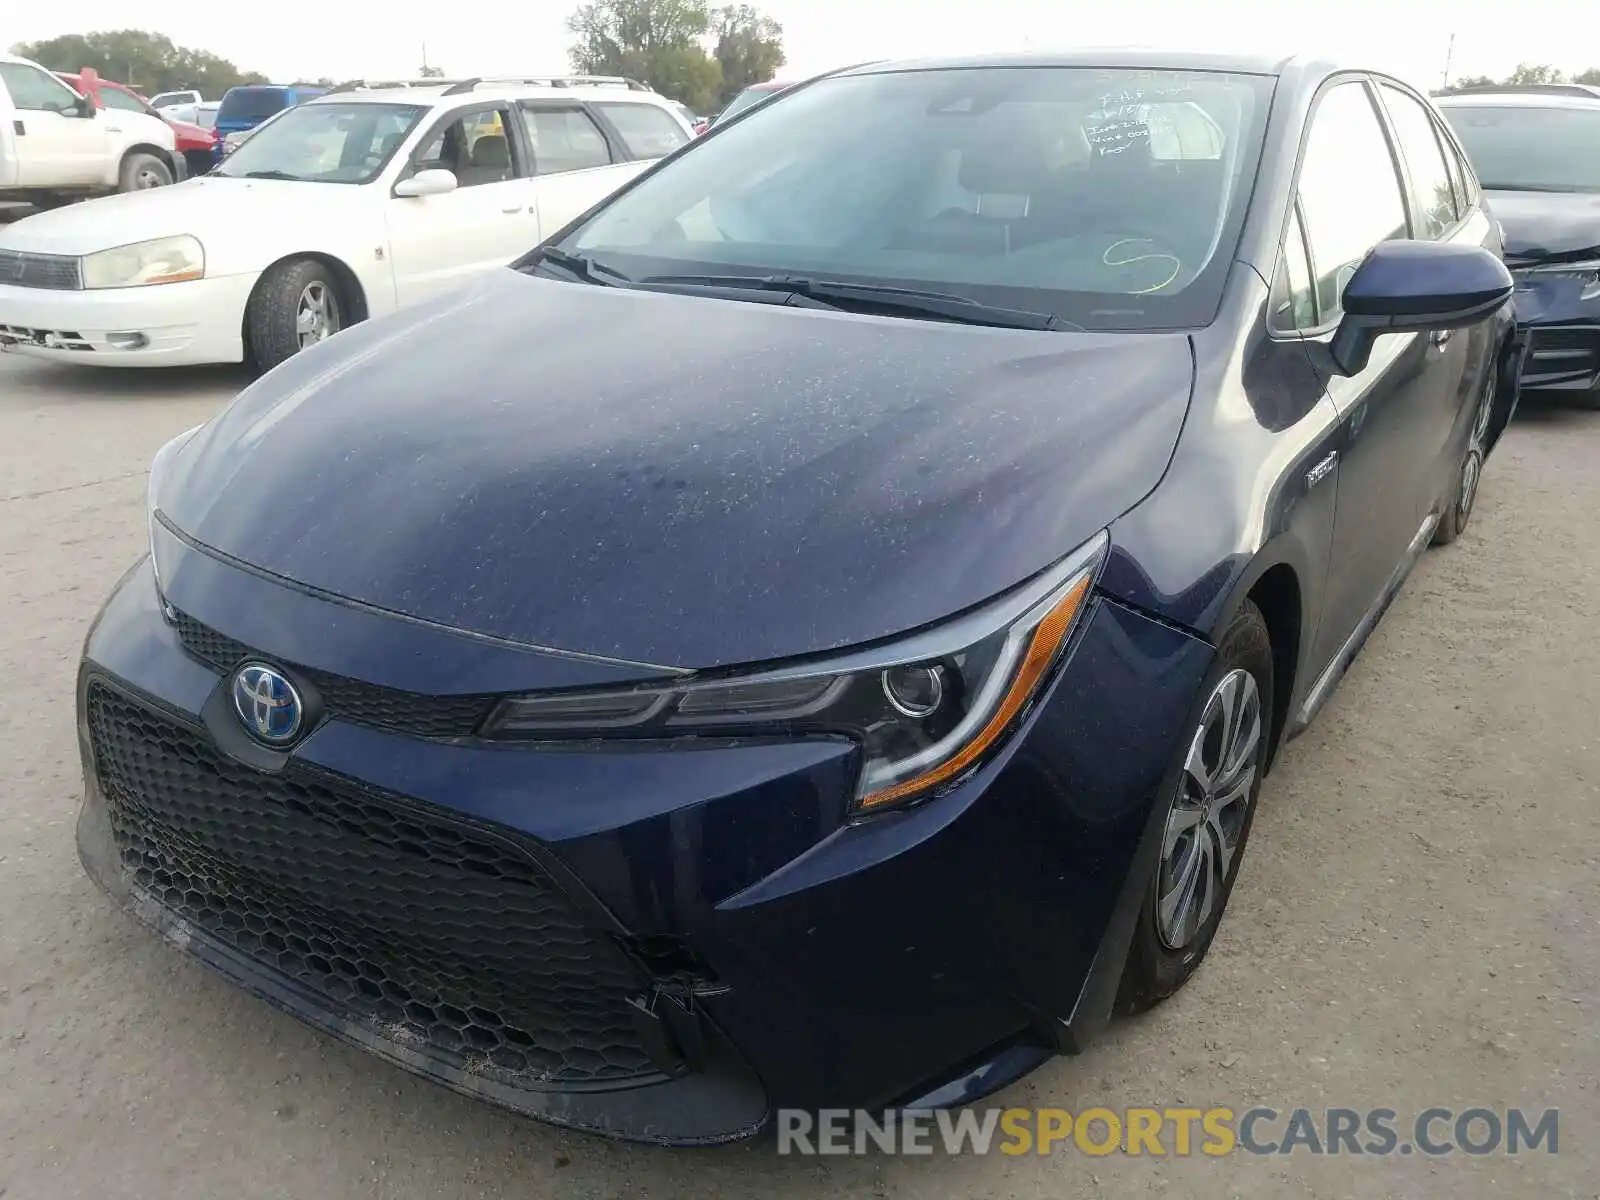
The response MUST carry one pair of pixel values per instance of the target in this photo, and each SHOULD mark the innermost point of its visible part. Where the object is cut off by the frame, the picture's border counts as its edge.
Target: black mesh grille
(449, 940)
(59, 272)
(351, 699)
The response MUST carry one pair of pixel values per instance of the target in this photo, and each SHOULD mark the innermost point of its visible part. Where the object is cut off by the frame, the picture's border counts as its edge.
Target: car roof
(1512, 98)
(1118, 57)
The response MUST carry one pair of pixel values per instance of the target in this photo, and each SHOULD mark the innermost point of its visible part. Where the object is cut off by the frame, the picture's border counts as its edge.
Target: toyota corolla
(813, 631)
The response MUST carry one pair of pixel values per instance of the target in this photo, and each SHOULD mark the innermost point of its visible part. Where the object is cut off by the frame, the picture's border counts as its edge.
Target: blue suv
(248, 106)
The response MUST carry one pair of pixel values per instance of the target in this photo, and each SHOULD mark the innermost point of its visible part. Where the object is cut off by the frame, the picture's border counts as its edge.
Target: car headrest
(491, 150)
(1017, 159)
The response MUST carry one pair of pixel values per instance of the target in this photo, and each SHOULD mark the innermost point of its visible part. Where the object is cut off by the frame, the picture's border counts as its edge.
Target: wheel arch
(351, 294)
(1277, 580)
(167, 156)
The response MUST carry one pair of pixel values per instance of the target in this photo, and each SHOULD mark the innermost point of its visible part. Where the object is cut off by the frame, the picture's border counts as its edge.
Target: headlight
(926, 710)
(158, 469)
(161, 260)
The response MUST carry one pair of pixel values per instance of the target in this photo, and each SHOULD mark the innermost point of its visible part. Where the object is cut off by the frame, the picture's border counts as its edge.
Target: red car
(194, 143)
(751, 95)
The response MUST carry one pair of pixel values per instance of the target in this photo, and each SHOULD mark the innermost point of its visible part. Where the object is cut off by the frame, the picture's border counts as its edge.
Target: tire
(1464, 490)
(1171, 940)
(142, 171)
(274, 324)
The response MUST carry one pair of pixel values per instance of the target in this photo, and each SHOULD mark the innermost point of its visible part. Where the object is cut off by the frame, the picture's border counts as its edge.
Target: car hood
(209, 207)
(678, 480)
(1540, 224)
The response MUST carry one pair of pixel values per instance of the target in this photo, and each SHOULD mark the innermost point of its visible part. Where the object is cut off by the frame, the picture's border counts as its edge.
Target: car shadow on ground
(121, 384)
(1552, 412)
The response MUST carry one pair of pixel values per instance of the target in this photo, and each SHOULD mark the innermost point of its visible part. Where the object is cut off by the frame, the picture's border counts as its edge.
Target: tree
(1528, 73)
(146, 62)
(1466, 82)
(1591, 77)
(664, 43)
(749, 48)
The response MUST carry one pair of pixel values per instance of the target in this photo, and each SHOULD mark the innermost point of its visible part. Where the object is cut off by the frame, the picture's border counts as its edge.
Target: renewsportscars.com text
(1172, 1132)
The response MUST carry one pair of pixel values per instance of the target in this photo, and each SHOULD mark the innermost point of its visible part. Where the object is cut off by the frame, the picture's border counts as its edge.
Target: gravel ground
(1414, 924)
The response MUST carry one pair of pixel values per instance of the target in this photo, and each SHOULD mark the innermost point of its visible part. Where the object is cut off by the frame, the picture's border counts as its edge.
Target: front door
(438, 242)
(55, 146)
(1351, 197)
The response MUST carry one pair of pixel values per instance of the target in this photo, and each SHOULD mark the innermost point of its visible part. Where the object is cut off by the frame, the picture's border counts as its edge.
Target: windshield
(1109, 198)
(252, 103)
(325, 143)
(1542, 149)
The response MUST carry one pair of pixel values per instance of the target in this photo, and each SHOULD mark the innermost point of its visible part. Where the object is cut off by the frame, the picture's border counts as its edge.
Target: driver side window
(36, 90)
(1350, 197)
(474, 148)
(112, 98)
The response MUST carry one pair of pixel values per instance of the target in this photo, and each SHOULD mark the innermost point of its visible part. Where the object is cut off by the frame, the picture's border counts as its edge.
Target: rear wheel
(296, 304)
(1208, 818)
(1464, 491)
(141, 171)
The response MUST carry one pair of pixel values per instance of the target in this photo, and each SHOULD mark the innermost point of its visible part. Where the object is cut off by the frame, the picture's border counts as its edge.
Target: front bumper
(172, 324)
(1563, 330)
(688, 933)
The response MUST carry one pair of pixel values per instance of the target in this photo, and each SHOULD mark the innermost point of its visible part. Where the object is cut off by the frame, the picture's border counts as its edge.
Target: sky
(346, 38)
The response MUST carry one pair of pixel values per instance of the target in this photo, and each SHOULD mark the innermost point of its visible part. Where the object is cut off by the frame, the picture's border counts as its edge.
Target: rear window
(252, 103)
(1530, 149)
(648, 132)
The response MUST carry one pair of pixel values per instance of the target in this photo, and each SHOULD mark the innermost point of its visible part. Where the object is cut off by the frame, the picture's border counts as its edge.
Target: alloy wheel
(316, 315)
(1207, 819)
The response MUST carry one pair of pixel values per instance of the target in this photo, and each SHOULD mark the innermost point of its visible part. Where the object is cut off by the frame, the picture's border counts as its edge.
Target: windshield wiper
(273, 175)
(579, 265)
(898, 300)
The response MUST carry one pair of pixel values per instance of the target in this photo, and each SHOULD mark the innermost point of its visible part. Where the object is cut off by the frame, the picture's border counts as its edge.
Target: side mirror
(1410, 287)
(83, 106)
(433, 182)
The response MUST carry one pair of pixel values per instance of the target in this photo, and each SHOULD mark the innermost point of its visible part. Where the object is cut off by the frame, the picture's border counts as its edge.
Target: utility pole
(1450, 53)
(424, 58)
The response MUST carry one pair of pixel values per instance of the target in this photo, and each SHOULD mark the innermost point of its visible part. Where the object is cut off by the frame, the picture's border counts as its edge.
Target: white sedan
(345, 208)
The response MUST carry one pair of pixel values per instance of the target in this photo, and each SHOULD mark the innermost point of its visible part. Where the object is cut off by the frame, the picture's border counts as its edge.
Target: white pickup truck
(57, 146)
(178, 106)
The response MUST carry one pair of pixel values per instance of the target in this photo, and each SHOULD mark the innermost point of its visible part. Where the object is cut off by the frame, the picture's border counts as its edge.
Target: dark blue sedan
(813, 632)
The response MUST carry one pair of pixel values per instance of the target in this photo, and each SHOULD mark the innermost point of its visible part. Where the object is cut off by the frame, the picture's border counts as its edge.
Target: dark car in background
(245, 107)
(1538, 154)
(814, 632)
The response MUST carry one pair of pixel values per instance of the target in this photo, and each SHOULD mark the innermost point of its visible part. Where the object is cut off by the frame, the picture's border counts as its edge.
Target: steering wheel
(1148, 255)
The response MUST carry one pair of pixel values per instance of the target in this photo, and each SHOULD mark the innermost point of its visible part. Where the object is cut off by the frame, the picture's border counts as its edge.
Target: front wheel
(141, 172)
(295, 305)
(1209, 813)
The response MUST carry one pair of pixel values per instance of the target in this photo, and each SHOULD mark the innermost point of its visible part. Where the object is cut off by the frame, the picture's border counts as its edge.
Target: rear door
(54, 146)
(1462, 359)
(438, 242)
(576, 164)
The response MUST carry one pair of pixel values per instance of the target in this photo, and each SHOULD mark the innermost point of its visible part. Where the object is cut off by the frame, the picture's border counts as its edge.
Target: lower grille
(1563, 354)
(452, 941)
(24, 268)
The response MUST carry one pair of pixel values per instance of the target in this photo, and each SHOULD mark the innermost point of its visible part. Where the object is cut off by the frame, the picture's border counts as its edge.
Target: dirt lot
(1415, 924)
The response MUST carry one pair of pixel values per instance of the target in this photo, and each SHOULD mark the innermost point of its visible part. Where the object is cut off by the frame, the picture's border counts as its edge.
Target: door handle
(515, 208)
(1439, 337)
